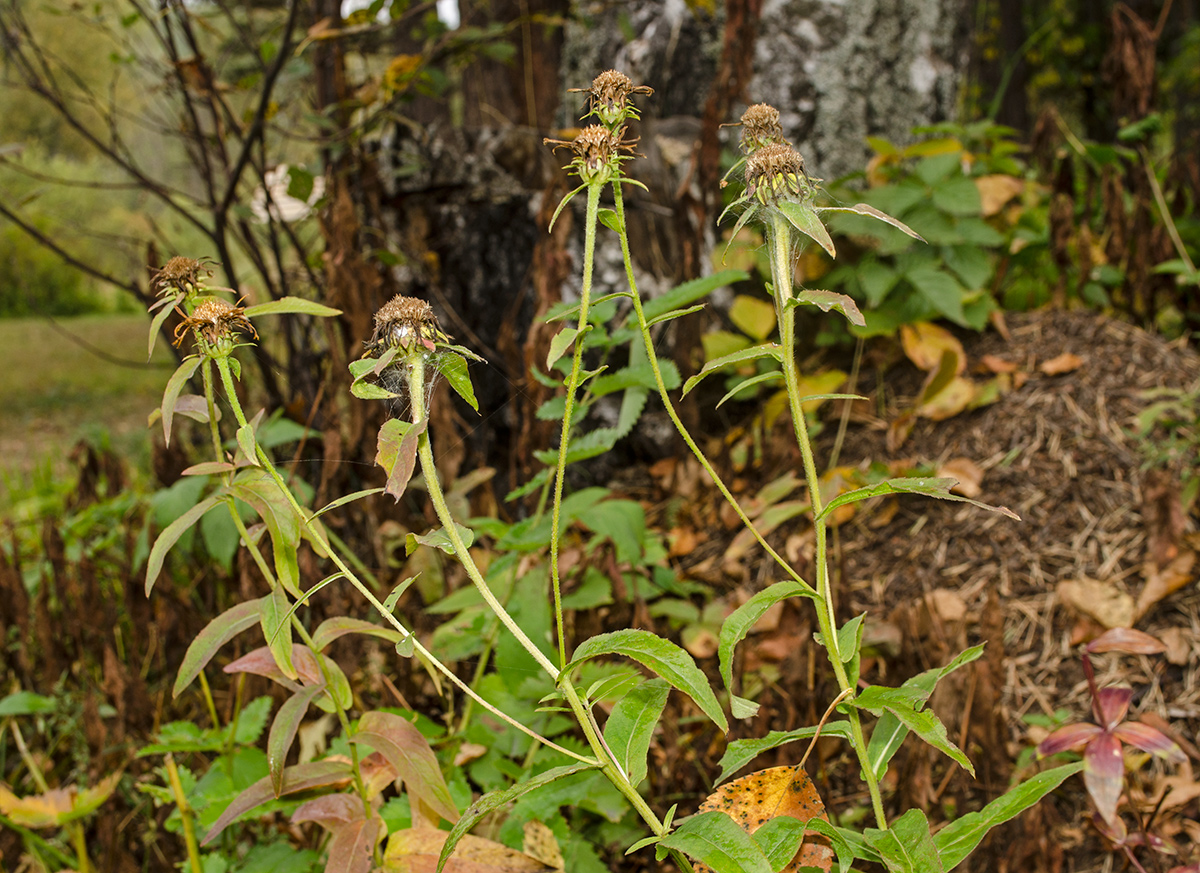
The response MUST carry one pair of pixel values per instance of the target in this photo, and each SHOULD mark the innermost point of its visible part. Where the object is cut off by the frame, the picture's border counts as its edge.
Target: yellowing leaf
(753, 316)
(540, 843)
(817, 384)
(997, 189)
(754, 800)
(416, 850)
(925, 343)
(967, 472)
(950, 401)
(1064, 363)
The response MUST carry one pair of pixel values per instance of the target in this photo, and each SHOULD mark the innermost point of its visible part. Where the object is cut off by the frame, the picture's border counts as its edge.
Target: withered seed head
(597, 150)
(403, 321)
(760, 127)
(775, 170)
(214, 319)
(609, 95)
(178, 272)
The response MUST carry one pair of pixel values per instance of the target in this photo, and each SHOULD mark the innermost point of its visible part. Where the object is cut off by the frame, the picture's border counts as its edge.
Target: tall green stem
(589, 252)
(779, 239)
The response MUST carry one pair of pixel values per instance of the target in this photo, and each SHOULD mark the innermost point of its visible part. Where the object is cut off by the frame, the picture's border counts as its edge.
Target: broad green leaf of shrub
(664, 658)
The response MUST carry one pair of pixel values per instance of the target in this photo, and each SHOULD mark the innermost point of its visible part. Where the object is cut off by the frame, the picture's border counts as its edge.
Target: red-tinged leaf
(194, 407)
(216, 633)
(283, 731)
(333, 628)
(1069, 738)
(1150, 740)
(170, 536)
(330, 810)
(397, 453)
(352, 846)
(1104, 774)
(402, 744)
(1128, 640)
(1110, 705)
(277, 630)
(261, 662)
(302, 777)
(174, 386)
(208, 468)
(272, 507)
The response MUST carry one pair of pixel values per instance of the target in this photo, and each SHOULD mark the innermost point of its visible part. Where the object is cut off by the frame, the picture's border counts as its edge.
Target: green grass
(55, 390)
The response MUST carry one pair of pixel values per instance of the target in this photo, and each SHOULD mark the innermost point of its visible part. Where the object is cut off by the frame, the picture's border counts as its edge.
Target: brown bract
(773, 171)
(610, 92)
(215, 319)
(402, 321)
(178, 272)
(595, 148)
(760, 127)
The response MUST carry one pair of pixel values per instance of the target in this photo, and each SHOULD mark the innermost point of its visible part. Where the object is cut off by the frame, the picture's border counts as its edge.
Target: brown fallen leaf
(754, 800)
(1064, 363)
(925, 343)
(950, 401)
(416, 850)
(996, 364)
(1168, 580)
(995, 190)
(1179, 645)
(1102, 601)
(967, 472)
(540, 843)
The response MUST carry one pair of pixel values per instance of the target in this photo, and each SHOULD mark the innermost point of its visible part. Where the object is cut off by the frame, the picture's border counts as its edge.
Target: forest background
(341, 155)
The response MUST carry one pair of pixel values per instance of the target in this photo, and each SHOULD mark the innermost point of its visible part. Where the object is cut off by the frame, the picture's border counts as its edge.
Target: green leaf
(296, 305)
(959, 838)
(805, 219)
(889, 732)
(906, 846)
(610, 220)
(157, 322)
(877, 280)
(957, 195)
(766, 350)
(171, 393)
(746, 384)
(827, 300)
(406, 749)
(739, 623)
(864, 209)
(494, 800)
(714, 839)
(340, 625)
(283, 731)
(630, 727)
(674, 313)
(454, 367)
(300, 180)
(27, 703)
(215, 634)
(559, 345)
(780, 840)
(621, 521)
(970, 263)
(349, 498)
(171, 534)
(245, 441)
(566, 199)
(739, 753)
(940, 289)
(277, 630)
(930, 487)
(438, 539)
(905, 703)
(664, 658)
(689, 292)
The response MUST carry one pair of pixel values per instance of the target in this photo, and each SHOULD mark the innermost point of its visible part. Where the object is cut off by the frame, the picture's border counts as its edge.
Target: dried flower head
(215, 320)
(403, 321)
(760, 127)
(597, 152)
(776, 170)
(609, 96)
(179, 273)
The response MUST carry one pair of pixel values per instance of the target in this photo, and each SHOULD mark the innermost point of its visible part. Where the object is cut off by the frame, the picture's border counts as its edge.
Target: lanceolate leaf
(559, 345)
(301, 777)
(216, 633)
(690, 292)
(739, 623)
(673, 314)
(171, 534)
(496, 799)
(272, 507)
(904, 704)
(805, 219)
(630, 727)
(167, 307)
(864, 209)
(772, 376)
(454, 367)
(349, 498)
(397, 452)
(715, 840)
(739, 753)
(352, 846)
(827, 300)
(246, 442)
(297, 305)
(959, 838)
(283, 731)
(408, 751)
(338, 626)
(907, 846)
(277, 630)
(663, 657)
(930, 487)
(171, 394)
(771, 350)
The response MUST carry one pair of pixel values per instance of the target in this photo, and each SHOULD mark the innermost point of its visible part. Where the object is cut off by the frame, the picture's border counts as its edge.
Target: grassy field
(70, 379)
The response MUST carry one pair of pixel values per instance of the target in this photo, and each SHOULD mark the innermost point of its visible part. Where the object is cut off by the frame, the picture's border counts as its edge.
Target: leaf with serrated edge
(216, 633)
(283, 731)
(716, 841)
(171, 534)
(666, 659)
(630, 727)
(930, 487)
(960, 837)
(739, 623)
(301, 777)
(408, 751)
(171, 393)
(494, 800)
